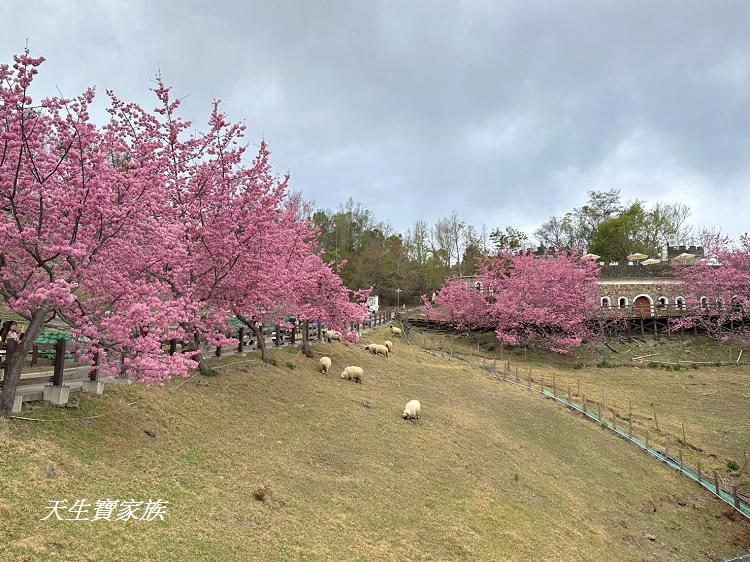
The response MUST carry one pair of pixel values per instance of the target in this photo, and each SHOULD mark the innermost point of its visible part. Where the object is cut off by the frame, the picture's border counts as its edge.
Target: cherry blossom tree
(543, 301)
(465, 306)
(145, 230)
(78, 229)
(286, 276)
(717, 296)
(322, 296)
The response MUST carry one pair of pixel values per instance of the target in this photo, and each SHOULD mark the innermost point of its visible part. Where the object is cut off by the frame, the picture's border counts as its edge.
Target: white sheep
(352, 374)
(325, 364)
(388, 344)
(376, 349)
(332, 335)
(395, 331)
(411, 410)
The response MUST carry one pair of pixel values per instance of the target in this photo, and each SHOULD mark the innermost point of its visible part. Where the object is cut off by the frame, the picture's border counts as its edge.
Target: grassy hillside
(488, 473)
(710, 402)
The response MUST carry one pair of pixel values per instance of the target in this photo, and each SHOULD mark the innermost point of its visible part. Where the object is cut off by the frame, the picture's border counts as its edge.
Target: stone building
(647, 286)
(644, 288)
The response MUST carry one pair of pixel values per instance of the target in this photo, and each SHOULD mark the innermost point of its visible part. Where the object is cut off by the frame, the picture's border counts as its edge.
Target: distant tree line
(419, 260)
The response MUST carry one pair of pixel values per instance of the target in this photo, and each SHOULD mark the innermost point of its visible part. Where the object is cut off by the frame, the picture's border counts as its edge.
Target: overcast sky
(506, 111)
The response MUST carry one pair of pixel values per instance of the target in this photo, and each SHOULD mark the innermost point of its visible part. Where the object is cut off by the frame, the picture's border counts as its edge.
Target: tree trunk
(306, 339)
(258, 336)
(261, 342)
(194, 347)
(13, 369)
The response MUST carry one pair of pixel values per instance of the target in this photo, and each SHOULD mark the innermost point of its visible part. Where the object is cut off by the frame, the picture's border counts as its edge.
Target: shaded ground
(486, 474)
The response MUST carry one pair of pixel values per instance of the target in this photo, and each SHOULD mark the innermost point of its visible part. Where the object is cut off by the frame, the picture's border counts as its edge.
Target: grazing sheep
(376, 349)
(395, 331)
(412, 409)
(352, 374)
(325, 364)
(331, 335)
(388, 344)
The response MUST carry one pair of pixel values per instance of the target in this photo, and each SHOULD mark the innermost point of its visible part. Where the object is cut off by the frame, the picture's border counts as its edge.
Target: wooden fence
(614, 322)
(58, 351)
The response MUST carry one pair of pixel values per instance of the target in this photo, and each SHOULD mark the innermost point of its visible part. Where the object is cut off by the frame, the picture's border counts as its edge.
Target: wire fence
(712, 482)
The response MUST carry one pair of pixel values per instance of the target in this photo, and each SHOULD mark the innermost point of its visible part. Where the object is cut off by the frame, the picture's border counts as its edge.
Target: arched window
(623, 302)
(704, 302)
(606, 302)
(680, 303)
(662, 302)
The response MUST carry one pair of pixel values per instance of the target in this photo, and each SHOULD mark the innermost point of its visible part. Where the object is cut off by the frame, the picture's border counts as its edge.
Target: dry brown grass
(488, 473)
(710, 402)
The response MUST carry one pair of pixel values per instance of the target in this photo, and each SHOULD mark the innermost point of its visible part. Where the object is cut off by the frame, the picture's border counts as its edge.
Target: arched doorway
(642, 307)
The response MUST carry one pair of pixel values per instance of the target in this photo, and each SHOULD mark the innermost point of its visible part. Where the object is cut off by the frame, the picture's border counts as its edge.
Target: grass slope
(488, 473)
(711, 402)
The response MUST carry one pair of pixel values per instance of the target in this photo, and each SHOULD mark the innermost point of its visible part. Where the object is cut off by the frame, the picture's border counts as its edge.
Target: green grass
(488, 473)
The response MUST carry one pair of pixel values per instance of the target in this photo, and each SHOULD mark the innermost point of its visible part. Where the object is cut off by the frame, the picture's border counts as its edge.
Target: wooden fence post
(736, 497)
(585, 409)
(57, 377)
(172, 346)
(656, 421)
(682, 465)
(716, 483)
(218, 351)
(630, 420)
(241, 338)
(94, 372)
(700, 472)
(569, 400)
(34, 355)
(277, 340)
(293, 335)
(320, 331)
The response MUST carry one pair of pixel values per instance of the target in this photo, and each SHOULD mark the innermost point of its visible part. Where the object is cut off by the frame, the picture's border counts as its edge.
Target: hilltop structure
(644, 286)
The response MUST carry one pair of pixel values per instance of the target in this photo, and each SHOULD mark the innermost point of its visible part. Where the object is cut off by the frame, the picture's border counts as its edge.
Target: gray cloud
(506, 111)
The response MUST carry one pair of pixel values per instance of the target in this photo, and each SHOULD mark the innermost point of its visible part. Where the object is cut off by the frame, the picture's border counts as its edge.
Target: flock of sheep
(354, 373)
